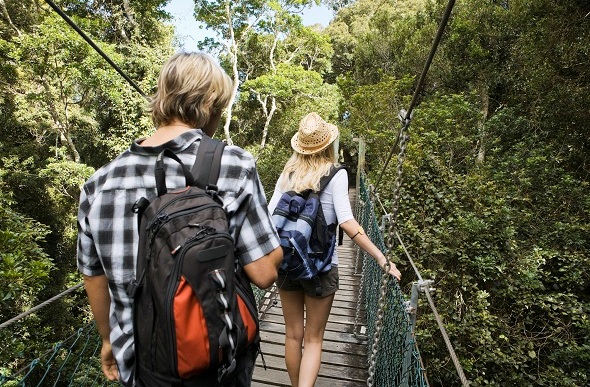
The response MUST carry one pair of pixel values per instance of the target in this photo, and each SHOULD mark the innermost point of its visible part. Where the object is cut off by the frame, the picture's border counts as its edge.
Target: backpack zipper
(162, 218)
(150, 224)
(201, 236)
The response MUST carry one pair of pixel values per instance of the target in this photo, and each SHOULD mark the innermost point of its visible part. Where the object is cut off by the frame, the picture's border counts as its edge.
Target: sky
(189, 33)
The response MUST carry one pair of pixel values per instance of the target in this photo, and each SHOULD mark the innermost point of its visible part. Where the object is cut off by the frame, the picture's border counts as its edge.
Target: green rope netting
(72, 362)
(397, 361)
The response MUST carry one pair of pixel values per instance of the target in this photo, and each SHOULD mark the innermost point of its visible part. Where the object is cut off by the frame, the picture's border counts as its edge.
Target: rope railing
(387, 310)
(394, 358)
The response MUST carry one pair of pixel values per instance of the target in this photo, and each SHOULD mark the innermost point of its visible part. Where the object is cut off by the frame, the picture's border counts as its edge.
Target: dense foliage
(495, 204)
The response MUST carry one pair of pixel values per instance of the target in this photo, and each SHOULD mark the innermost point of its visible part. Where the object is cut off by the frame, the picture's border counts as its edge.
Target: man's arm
(97, 288)
(263, 271)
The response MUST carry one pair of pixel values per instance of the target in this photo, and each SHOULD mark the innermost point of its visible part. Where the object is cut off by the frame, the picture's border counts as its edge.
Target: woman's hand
(392, 269)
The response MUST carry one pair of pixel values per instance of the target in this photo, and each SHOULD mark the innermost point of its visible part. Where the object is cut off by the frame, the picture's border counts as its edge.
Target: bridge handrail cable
(41, 305)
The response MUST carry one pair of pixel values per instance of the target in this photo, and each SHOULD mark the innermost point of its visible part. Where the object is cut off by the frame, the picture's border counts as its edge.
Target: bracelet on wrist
(360, 231)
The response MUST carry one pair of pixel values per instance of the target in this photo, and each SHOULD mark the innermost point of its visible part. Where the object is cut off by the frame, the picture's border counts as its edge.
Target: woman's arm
(354, 230)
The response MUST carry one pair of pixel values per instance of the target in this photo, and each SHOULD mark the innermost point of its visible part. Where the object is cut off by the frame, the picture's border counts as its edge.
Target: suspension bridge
(370, 337)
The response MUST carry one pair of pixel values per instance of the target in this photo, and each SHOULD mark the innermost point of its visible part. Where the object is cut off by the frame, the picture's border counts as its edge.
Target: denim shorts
(328, 282)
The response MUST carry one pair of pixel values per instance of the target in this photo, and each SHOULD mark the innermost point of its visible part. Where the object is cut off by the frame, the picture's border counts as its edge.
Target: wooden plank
(339, 308)
(330, 326)
(279, 378)
(332, 342)
(335, 358)
(328, 368)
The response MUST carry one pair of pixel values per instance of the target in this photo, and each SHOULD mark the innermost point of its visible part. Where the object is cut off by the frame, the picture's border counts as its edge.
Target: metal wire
(450, 348)
(41, 305)
(407, 117)
(64, 16)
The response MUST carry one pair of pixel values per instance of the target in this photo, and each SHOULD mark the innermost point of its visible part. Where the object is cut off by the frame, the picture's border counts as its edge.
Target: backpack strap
(208, 163)
(160, 174)
(326, 179)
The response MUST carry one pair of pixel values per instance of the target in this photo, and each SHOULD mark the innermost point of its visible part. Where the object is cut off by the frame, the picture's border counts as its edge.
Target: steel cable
(61, 13)
(41, 305)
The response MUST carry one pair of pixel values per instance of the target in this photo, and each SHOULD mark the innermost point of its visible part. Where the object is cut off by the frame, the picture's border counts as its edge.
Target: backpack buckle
(224, 371)
(211, 188)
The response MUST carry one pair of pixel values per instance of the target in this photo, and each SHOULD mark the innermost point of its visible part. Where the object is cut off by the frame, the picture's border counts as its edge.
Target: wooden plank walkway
(344, 356)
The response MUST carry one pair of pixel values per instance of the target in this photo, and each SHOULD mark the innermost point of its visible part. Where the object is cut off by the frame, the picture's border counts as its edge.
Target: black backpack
(194, 310)
(306, 238)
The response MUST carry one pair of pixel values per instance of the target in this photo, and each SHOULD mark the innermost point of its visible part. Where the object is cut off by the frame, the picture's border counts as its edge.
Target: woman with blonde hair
(304, 310)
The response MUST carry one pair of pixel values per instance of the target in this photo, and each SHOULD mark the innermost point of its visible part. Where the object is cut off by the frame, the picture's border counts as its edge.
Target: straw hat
(314, 135)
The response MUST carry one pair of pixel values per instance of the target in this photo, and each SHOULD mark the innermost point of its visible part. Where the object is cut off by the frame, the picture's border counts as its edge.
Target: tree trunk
(485, 110)
(234, 57)
(6, 16)
(268, 115)
(65, 136)
(128, 15)
(62, 129)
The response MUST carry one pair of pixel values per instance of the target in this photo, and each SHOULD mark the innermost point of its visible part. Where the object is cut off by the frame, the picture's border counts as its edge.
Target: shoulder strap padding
(208, 162)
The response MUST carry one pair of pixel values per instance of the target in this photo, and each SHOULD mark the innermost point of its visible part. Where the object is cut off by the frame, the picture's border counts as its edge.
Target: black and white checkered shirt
(107, 227)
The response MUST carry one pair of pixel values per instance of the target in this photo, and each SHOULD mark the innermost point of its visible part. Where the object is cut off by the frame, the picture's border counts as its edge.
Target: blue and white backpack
(307, 240)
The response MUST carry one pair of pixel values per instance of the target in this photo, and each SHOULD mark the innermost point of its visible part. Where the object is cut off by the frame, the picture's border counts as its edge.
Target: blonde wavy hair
(303, 172)
(192, 88)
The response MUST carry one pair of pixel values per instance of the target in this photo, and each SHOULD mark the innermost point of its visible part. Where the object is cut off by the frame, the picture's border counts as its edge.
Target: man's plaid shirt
(107, 226)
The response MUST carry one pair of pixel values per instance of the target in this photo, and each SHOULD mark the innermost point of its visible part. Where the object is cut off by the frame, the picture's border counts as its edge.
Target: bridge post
(360, 166)
(411, 310)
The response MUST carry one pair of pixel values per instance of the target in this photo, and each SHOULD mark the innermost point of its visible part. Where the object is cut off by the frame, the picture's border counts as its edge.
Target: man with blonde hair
(193, 90)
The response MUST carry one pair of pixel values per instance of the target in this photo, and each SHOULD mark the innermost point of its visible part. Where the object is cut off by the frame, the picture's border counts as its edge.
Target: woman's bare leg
(316, 318)
(293, 312)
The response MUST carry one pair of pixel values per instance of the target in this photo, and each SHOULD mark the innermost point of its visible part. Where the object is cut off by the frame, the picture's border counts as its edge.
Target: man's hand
(109, 365)
(263, 271)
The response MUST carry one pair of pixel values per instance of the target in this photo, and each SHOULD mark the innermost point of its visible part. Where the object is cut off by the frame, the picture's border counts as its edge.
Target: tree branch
(6, 16)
